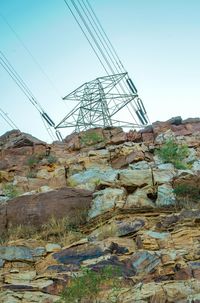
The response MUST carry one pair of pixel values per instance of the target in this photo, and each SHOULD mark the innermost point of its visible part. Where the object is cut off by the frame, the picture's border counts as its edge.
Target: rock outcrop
(142, 216)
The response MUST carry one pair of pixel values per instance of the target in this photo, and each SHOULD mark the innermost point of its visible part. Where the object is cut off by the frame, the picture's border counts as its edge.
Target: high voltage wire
(95, 34)
(31, 55)
(8, 120)
(89, 28)
(86, 36)
(4, 62)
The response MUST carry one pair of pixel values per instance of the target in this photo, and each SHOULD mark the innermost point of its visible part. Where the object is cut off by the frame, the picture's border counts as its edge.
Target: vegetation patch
(35, 159)
(86, 286)
(187, 193)
(91, 138)
(63, 231)
(171, 152)
(10, 190)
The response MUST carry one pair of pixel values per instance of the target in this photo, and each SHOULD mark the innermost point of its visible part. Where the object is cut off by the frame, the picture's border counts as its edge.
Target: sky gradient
(157, 41)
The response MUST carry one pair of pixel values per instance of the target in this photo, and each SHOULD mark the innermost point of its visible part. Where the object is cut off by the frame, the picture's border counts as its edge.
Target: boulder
(39, 208)
(92, 177)
(107, 199)
(135, 178)
(140, 198)
(166, 197)
(124, 161)
(16, 139)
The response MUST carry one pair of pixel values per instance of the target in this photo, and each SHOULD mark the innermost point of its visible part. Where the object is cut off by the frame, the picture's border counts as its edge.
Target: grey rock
(196, 166)
(140, 165)
(163, 176)
(135, 178)
(92, 177)
(166, 196)
(1, 263)
(139, 198)
(144, 261)
(16, 253)
(105, 200)
(166, 166)
(124, 228)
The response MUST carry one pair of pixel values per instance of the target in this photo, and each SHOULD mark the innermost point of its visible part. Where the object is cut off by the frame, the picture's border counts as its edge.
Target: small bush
(88, 284)
(34, 160)
(187, 193)
(31, 174)
(91, 138)
(10, 191)
(173, 153)
(51, 159)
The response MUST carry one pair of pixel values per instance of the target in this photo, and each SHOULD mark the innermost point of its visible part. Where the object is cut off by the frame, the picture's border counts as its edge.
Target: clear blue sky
(158, 42)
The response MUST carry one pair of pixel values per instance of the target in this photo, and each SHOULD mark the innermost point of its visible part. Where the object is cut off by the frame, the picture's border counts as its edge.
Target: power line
(8, 120)
(94, 32)
(25, 89)
(86, 36)
(31, 55)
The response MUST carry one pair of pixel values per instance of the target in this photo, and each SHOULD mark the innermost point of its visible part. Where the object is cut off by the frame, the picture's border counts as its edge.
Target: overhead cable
(8, 120)
(25, 89)
(51, 83)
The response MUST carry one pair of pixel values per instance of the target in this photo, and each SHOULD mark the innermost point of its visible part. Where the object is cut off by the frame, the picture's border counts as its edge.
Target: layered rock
(137, 221)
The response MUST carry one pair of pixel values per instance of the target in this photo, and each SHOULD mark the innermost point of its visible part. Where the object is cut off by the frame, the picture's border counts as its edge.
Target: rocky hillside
(105, 216)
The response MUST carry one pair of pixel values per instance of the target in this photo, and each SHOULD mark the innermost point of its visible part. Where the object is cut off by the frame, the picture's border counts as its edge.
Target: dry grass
(63, 231)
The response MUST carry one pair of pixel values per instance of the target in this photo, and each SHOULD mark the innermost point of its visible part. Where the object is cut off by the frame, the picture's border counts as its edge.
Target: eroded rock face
(37, 209)
(134, 222)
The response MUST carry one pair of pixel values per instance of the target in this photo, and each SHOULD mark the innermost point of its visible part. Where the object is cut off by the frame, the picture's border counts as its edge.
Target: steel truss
(102, 102)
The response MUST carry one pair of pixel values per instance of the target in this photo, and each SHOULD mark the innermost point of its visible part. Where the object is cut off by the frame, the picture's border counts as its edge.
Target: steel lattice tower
(102, 102)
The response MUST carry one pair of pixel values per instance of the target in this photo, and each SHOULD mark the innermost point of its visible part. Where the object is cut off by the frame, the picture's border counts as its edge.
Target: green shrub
(10, 191)
(173, 153)
(51, 159)
(88, 284)
(187, 192)
(91, 138)
(34, 160)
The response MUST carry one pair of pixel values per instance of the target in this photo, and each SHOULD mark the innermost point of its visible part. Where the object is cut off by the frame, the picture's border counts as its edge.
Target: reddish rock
(181, 130)
(183, 274)
(16, 139)
(114, 135)
(123, 161)
(72, 142)
(148, 137)
(38, 209)
(134, 136)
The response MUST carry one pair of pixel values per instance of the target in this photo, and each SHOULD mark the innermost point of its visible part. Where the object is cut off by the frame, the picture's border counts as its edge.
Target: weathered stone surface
(156, 249)
(92, 177)
(135, 178)
(52, 247)
(163, 176)
(144, 262)
(38, 209)
(114, 135)
(124, 161)
(140, 198)
(22, 278)
(105, 200)
(78, 254)
(15, 139)
(1, 263)
(14, 253)
(140, 165)
(3, 218)
(9, 296)
(166, 196)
